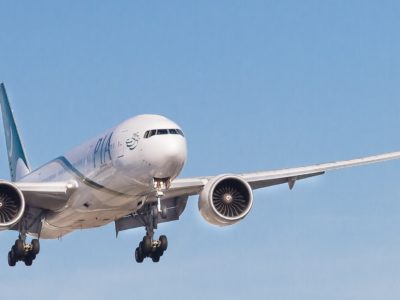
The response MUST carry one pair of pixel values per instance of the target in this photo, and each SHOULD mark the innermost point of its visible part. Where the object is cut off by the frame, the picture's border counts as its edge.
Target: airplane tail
(16, 155)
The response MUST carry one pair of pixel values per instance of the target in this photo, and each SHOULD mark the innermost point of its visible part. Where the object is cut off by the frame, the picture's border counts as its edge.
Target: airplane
(127, 175)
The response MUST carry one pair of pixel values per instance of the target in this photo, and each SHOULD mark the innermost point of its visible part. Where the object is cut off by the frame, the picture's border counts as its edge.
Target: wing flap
(175, 207)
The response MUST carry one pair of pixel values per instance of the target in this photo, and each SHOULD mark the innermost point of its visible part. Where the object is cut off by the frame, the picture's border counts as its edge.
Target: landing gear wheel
(139, 255)
(147, 244)
(21, 251)
(141, 251)
(19, 248)
(35, 246)
(164, 242)
(28, 260)
(164, 212)
(11, 259)
(155, 258)
(159, 252)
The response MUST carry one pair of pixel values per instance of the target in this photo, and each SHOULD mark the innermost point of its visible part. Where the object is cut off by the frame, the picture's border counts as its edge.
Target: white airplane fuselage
(114, 171)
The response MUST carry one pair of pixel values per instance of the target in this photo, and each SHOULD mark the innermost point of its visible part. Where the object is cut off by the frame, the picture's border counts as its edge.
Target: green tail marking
(15, 149)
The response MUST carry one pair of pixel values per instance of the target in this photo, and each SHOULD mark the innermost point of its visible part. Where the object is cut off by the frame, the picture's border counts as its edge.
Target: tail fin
(16, 155)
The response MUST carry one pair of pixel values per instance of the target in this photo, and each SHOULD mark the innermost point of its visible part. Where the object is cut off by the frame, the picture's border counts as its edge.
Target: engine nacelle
(12, 205)
(225, 200)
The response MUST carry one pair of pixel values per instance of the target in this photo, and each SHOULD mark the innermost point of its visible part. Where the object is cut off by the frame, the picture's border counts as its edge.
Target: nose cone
(166, 155)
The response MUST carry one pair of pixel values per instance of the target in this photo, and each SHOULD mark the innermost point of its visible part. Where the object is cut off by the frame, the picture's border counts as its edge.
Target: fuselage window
(162, 131)
(150, 133)
(180, 132)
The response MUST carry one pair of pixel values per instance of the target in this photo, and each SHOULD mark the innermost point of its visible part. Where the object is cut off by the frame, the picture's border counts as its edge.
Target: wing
(47, 195)
(176, 196)
(193, 186)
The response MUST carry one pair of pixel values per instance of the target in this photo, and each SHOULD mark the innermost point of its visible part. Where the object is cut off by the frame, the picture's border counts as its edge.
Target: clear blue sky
(255, 85)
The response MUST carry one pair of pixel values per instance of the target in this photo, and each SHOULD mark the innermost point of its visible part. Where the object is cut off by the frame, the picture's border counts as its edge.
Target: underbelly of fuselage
(89, 208)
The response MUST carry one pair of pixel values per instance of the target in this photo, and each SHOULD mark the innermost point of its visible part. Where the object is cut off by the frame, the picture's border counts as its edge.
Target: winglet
(18, 162)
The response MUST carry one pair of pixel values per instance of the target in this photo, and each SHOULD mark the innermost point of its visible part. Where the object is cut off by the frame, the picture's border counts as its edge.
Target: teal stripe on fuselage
(63, 161)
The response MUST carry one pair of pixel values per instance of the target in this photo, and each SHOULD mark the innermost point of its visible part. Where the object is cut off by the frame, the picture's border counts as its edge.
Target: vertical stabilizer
(16, 155)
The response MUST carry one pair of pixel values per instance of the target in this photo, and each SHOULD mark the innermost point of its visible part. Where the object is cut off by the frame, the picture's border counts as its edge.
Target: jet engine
(225, 200)
(12, 205)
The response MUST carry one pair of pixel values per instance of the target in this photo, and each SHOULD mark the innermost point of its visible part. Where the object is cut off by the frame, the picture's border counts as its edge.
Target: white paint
(128, 175)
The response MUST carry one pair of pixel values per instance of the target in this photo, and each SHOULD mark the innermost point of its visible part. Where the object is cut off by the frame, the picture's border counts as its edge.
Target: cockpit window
(162, 131)
(150, 133)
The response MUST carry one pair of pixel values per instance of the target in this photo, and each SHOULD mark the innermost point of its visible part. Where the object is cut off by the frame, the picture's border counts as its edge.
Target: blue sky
(256, 85)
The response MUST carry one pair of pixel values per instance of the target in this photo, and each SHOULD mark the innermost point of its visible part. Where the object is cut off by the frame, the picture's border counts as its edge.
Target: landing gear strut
(21, 251)
(149, 247)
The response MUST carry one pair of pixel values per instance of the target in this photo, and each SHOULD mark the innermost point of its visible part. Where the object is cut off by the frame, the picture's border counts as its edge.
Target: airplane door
(89, 159)
(121, 143)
